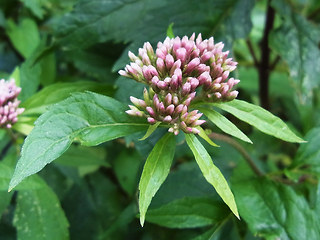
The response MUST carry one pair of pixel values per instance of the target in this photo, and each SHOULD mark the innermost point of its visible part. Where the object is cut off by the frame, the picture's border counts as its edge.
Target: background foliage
(58, 48)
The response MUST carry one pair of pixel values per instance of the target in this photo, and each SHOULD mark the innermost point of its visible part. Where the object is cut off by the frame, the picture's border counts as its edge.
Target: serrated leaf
(189, 213)
(155, 171)
(150, 130)
(25, 36)
(125, 20)
(224, 124)
(275, 211)
(309, 154)
(260, 118)
(205, 137)
(39, 102)
(88, 118)
(211, 173)
(298, 33)
(39, 216)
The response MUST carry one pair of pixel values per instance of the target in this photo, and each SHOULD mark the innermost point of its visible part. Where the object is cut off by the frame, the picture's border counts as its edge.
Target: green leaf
(298, 33)
(36, 6)
(205, 137)
(39, 216)
(79, 156)
(126, 167)
(155, 171)
(6, 174)
(211, 173)
(24, 37)
(309, 154)
(48, 73)
(125, 20)
(120, 224)
(150, 130)
(30, 73)
(275, 211)
(24, 125)
(260, 118)
(88, 118)
(39, 102)
(189, 213)
(224, 124)
(5, 198)
(170, 33)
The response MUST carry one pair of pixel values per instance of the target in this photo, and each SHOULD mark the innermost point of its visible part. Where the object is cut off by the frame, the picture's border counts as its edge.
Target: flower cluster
(9, 103)
(176, 72)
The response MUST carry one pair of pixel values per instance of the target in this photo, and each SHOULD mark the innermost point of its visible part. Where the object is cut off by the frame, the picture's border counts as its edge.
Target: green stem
(240, 149)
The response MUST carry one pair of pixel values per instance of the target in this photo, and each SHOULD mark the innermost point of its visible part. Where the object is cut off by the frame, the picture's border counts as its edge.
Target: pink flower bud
(198, 122)
(206, 56)
(225, 75)
(218, 95)
(178, 73)
(232, 95)
(169, 61)
(161, 53)
(175, 100)
(121, 72)
(195, 131)
(176, 65)
(194, 83)
(147, 46)
(179, 109)
(192, 65)
(181, 54)
(162, 85)
(151, 120)
(160, 65)
(150, 111)
(155, 81)
(186, 88)
(132, 57)
(167, 119)
(176, 44)
(170, 109)
(160, 107)
(168, 99)
(204, 77)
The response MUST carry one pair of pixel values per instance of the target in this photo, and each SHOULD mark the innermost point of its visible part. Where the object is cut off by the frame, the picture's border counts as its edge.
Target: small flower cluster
(9, 103)
(175, 72)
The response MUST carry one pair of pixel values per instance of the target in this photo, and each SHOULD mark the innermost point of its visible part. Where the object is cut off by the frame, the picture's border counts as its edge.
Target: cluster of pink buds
(9, 103)
(175, 72)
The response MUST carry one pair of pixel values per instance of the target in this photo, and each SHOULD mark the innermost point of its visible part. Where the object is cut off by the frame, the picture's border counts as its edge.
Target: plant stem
(239, 148)
(250, 47)
(263, 69)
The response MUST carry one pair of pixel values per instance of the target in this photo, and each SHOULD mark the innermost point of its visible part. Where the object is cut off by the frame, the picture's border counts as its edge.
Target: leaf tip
(142, 220)
(12, 185)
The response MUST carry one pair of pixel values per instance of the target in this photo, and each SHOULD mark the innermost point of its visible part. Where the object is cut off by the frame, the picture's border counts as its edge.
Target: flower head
(175, 72)
(9, 103)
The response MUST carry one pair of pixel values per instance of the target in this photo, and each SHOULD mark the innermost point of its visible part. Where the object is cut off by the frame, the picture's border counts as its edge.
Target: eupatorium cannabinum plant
(186, 79)
(181, 72)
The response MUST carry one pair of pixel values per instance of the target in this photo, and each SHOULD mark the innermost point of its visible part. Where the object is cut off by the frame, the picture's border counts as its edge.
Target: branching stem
(264, 69)
(239, 148)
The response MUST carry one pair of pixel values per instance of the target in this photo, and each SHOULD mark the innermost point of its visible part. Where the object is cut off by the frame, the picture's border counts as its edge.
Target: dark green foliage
(74, 158)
